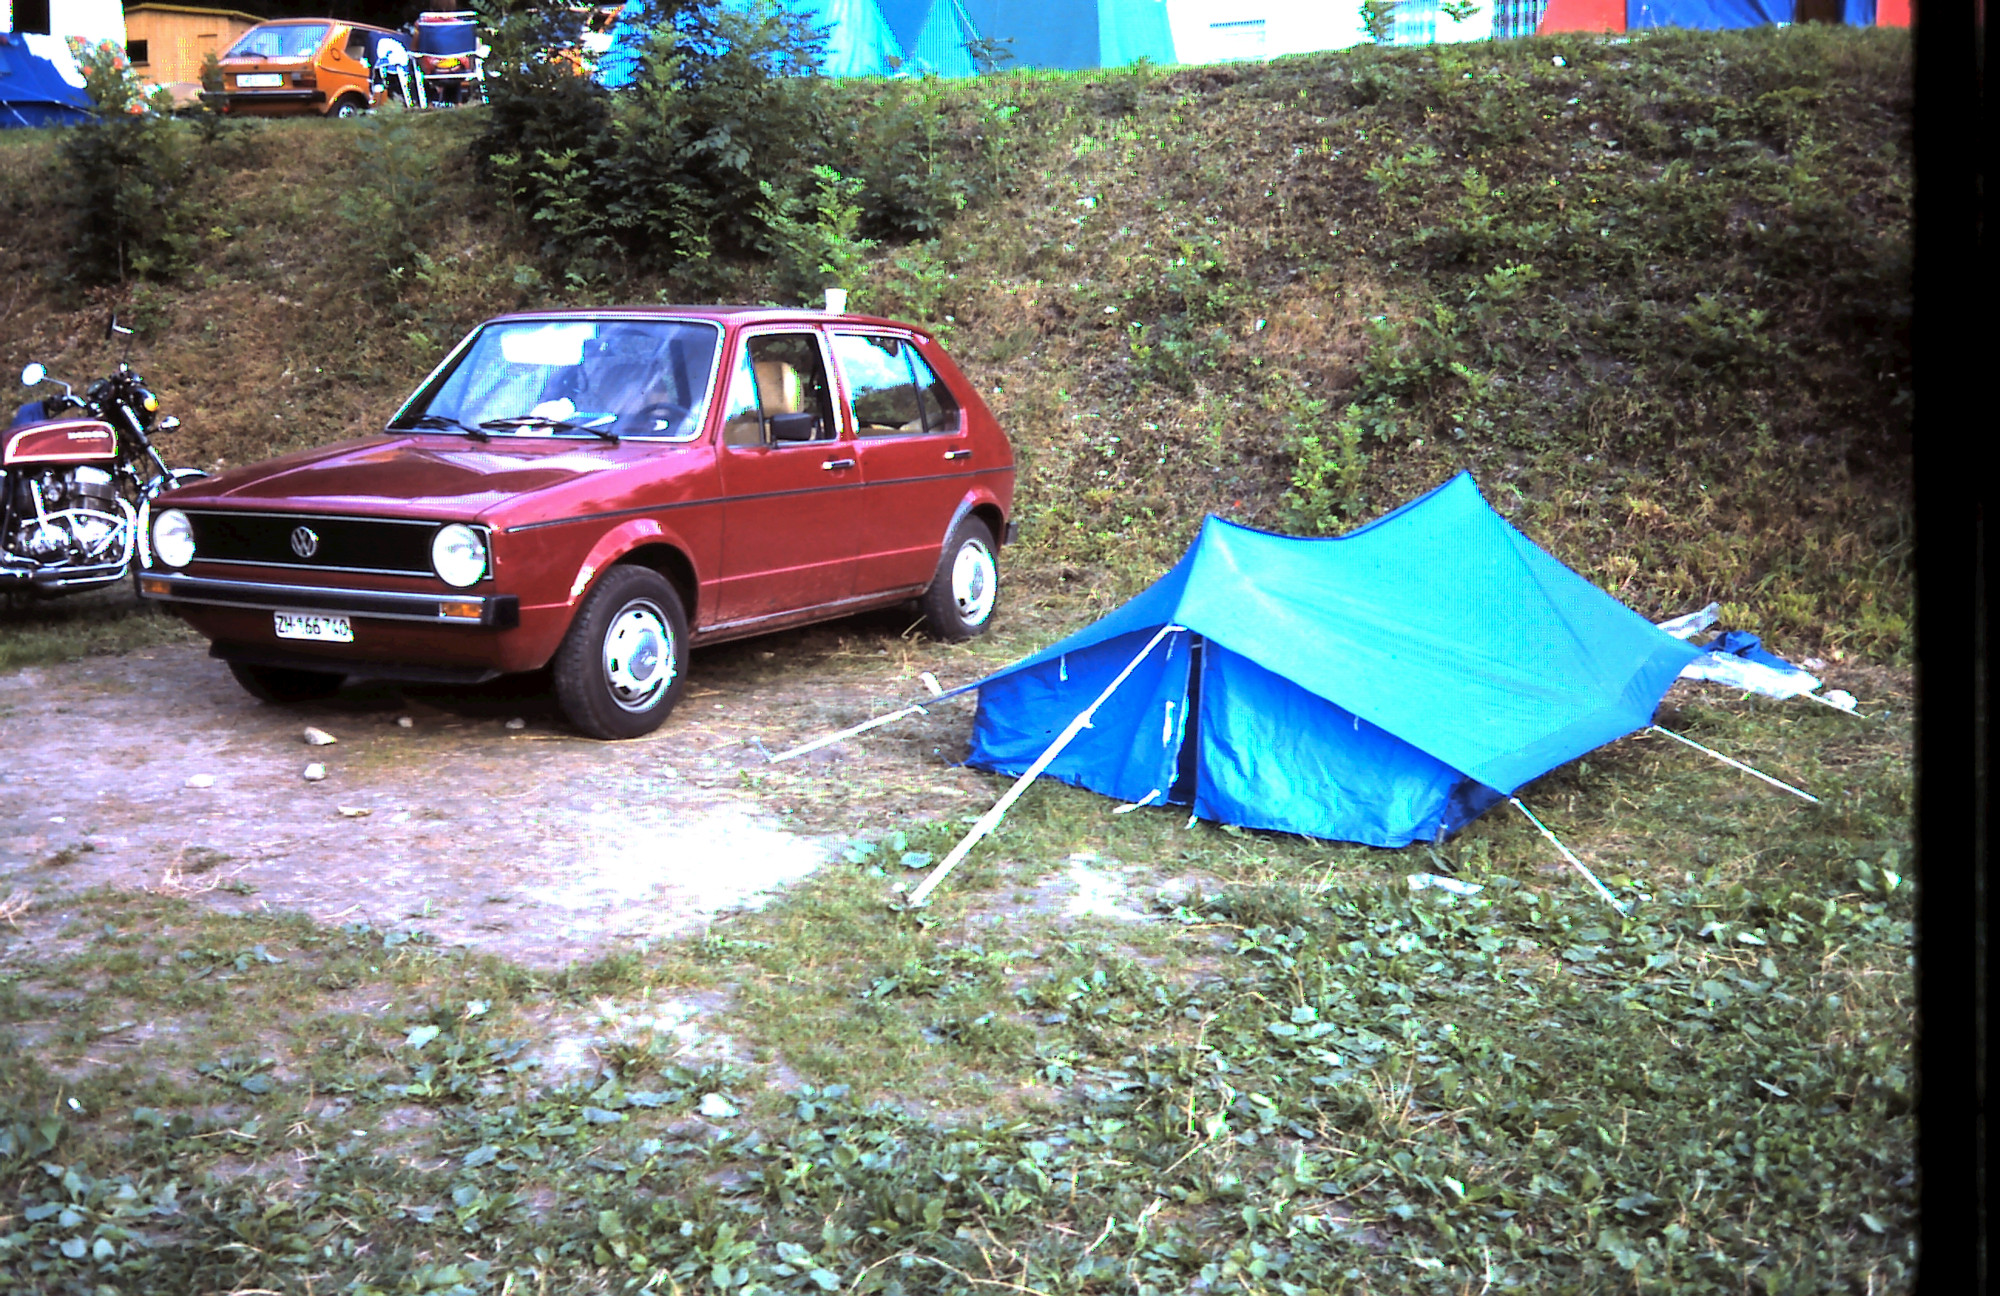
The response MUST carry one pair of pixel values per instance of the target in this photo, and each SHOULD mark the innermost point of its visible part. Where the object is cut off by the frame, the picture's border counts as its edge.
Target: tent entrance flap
(1186, 759)
(1133, 744)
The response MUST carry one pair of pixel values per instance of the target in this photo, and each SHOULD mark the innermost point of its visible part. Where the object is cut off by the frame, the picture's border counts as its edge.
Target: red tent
(1635, 15)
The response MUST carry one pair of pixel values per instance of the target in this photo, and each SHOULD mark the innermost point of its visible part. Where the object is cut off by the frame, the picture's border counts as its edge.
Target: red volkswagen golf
(600, 490)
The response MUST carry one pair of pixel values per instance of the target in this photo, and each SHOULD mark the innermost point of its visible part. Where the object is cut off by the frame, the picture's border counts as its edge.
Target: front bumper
(491, 611)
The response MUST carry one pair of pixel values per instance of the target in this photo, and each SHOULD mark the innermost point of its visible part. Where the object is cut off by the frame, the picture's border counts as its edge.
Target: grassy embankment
(1653, 295)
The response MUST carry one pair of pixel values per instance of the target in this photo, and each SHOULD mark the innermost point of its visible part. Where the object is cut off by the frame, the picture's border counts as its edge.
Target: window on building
(136, 51)
(31, 16)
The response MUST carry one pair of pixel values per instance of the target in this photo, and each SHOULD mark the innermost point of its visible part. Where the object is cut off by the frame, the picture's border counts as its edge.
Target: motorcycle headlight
(173, 538)
(458, 553)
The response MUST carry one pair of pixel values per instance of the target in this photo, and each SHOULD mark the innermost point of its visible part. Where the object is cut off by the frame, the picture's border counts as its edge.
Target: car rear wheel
(347, 108)
(960, 601)
(623, 664)
(282, 686)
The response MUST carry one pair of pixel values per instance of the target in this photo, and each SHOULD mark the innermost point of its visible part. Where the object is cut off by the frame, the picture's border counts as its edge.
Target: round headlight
(173, 538)
(459, 554)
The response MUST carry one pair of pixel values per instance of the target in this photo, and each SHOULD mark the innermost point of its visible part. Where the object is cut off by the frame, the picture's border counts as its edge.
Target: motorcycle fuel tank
(63, 441)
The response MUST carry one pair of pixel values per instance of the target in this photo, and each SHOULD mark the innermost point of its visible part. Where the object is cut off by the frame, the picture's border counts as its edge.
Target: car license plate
(261, 80)
(320, 629)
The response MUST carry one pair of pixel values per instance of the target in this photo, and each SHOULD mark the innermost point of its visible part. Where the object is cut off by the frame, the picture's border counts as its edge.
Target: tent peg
(1728, 760)
(1568, 854)
(991, 819)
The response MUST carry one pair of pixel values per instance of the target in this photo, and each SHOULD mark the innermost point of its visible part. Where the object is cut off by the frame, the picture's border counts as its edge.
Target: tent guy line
(991, 819)
(1730, 760)
(930, 682)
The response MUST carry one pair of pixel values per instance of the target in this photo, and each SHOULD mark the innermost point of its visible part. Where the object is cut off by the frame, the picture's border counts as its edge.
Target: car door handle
(958, 454)
(834, 465)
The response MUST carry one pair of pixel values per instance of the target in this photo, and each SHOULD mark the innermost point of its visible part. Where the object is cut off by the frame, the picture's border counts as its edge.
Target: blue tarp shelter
(885, 37)
(1384, 687)
(32, 92)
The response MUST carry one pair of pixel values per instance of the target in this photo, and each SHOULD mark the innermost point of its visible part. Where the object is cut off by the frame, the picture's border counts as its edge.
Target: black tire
(282, 686)
(347, 109)
(959, 604)
(620, 626)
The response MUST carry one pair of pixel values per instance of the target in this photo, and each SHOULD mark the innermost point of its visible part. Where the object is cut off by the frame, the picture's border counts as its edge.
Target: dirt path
(154, 770)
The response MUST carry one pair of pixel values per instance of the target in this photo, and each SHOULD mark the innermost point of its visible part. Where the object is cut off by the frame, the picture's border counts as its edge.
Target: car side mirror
(794, 427)
(32, 374)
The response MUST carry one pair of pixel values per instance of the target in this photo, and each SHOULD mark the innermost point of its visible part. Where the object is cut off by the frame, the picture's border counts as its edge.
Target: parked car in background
(301, 66)
(597, 491)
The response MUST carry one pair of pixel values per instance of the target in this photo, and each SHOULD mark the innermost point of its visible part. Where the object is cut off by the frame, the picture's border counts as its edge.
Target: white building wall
(93, 20)
(1224, 31)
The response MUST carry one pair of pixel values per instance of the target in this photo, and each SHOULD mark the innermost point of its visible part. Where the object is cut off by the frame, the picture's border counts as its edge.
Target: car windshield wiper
(444, 421)
(596, 427)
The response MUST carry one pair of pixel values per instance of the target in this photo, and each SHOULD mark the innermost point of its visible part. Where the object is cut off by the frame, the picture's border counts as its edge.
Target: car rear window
(291, 40)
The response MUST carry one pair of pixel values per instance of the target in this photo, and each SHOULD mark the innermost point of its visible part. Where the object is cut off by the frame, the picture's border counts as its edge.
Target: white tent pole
(861, 728)
(1567, 854)
(1726, 760)
(991, 819)
(930, 682)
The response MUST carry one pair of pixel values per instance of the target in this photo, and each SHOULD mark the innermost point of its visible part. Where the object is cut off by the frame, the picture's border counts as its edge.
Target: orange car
(308, 65)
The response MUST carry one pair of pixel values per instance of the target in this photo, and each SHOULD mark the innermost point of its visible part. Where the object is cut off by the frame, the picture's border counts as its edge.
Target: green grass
(44, 633)
(1301, 1077)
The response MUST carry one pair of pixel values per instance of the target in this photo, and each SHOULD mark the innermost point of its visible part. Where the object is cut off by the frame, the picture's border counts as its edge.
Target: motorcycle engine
(71, 516)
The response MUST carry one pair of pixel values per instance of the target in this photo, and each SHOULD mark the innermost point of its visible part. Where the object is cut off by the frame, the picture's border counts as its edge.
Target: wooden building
(167, 43)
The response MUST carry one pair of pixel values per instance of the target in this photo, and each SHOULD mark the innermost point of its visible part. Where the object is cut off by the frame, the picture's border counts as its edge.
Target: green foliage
(916, 168)
(1328, 483)
(816, 242)
(1378, 20)
(390, 206)
(127, 178)
(676, 168)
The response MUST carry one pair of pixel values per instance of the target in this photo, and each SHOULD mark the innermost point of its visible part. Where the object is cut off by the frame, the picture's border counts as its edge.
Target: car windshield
(283, 41)
(587, 378)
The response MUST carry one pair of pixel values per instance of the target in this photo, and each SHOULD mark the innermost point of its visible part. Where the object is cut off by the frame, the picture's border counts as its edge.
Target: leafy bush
(677, 168)
(128, 173)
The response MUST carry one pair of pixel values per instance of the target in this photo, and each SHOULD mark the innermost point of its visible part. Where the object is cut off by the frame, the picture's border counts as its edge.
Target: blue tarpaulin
(1714, 15)
(1708, 15)
(887, 37)
(1383, 687)
(32, 92)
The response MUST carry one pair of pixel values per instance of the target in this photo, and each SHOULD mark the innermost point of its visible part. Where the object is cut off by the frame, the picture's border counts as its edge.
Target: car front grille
(314, 541)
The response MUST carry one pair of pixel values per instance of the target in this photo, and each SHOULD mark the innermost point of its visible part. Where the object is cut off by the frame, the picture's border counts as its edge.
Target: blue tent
(1384, 687)
(32, 92)
(883, 37)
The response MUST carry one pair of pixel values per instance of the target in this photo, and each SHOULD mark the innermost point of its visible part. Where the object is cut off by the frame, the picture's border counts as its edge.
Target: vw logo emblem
(305, 541)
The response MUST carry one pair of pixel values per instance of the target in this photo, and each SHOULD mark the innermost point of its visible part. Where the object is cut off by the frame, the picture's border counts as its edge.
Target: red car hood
(429, 476)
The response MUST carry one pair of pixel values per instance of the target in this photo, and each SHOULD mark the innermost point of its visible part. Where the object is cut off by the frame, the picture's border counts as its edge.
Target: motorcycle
(76, 475)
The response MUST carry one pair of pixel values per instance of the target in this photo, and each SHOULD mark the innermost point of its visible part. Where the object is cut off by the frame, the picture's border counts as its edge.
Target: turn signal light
(154, 585)
(457, 611)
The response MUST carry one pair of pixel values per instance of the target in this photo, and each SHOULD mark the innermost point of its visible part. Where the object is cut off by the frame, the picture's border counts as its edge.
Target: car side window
(779, 393)
(939, 407)
(880, 387)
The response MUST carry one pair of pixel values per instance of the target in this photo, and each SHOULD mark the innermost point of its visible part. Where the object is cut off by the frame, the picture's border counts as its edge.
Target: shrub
(127, 177)
(676, 167)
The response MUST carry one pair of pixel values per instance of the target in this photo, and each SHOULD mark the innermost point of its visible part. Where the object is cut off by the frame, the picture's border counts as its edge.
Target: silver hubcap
(974, 582)
(639, 656)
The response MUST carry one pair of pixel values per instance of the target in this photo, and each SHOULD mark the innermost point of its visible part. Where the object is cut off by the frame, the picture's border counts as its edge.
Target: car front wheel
(959, 603)
(623, 664)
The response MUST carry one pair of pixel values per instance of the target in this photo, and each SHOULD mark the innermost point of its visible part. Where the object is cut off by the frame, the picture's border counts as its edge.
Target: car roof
(718, 314)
